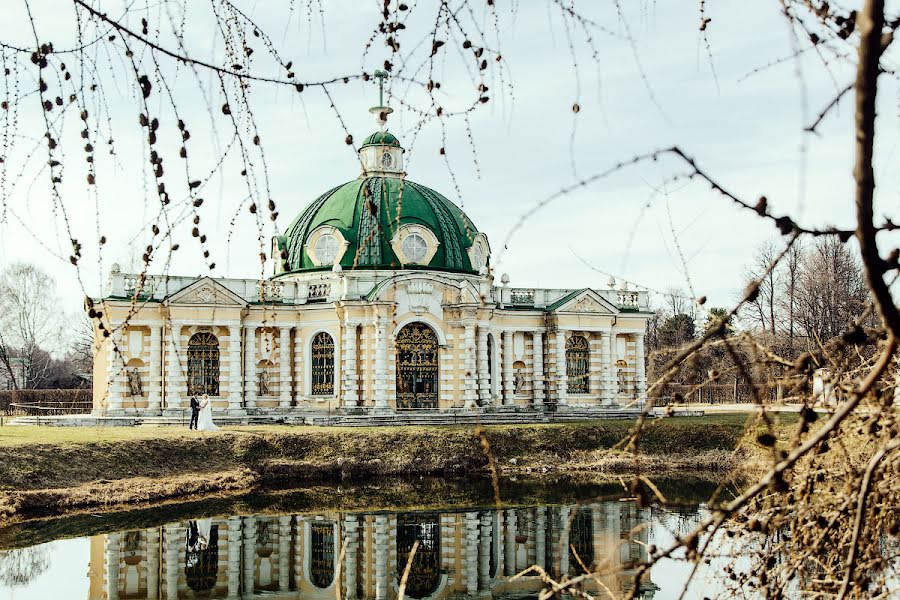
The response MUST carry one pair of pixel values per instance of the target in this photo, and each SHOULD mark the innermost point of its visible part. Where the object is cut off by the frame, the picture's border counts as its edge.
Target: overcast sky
(646, 223)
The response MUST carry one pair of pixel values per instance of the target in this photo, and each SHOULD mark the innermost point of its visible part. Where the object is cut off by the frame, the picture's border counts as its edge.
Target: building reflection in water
(472, 553)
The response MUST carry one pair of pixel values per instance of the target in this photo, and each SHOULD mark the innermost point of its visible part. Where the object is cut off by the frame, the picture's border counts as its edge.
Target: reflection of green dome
(381, 138)
(395, 202)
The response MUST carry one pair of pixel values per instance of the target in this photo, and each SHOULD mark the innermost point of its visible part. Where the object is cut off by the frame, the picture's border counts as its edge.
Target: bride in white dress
(204, 419)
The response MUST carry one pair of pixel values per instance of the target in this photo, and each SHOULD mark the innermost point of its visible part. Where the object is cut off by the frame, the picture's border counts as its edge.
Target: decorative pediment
(206, 291)
(588, 302)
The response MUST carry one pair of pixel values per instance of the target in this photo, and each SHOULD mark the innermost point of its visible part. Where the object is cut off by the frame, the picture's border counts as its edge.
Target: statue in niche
(264, 382)
(518, 382)
(620, 376)
(134, 383)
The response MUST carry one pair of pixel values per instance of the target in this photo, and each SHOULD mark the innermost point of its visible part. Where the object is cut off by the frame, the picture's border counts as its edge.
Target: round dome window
(326, 249)
(414, 247)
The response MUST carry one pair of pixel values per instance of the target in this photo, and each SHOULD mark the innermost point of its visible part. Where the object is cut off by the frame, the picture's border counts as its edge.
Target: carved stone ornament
(587, 305)
(419, 293)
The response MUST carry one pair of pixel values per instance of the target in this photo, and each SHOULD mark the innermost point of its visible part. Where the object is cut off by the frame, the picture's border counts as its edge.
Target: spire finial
(381, 111)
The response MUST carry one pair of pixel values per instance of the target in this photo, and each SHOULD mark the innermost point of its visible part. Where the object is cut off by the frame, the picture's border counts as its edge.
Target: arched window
(578, 363)
(321, 564)
(425, 574)
(322, 365)
(203, 364)
(581, 540)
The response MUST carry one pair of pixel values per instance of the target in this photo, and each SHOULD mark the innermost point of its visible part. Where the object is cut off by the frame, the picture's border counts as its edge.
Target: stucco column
(562, 378)
(540, 537)
(174, 388)
(350, 369)
(564, 540)
(471, 553)
(152, 563)
(234, 557)
(250, 366)
(509, 548)
(537, 369)
(234, 368)
(640, 377)
(173, 566)
(249, 555)
(351, 535)
(484, 552)
(606, 373)
(470, 393)
(381, 557)
(284, 367)
(509, 381)
(613, 376)
(154, 371)
(484, 380)
(284, 553)
(115, 372)
(381, 362)
(112, 565)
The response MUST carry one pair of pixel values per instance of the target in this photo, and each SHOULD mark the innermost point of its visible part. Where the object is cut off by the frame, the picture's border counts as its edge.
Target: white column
(112, 566)
(234, 557)
(115, 372)
(509, 383)
(381, 557)
(540, 537)
(640, 378)
(234, 368)
(564, 541)
(152, 563)
(484, 380)
(381, 350)
(537, 369)
(471, 553)
(349, 368)
(562, 379)
(509, 558)
(613, 378)
(249, 555)
(174, 376)
(351, 535)
(170, 539)
(470, 393)
(250, 366)
(154, 371)
(284, 553)
(606, 366)
(284, 367)
(484, 553)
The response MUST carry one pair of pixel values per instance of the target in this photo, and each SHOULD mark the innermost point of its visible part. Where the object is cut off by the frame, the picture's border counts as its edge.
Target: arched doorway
(203, 364)
(417, 367)
(425, 574)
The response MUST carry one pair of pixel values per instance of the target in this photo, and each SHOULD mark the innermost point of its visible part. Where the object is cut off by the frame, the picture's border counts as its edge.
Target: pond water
(305, 543)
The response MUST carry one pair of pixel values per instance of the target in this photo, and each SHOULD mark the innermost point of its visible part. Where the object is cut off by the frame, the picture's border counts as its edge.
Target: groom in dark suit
(195, 412)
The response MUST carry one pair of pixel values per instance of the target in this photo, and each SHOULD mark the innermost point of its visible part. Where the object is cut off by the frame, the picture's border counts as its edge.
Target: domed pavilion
(383, 299)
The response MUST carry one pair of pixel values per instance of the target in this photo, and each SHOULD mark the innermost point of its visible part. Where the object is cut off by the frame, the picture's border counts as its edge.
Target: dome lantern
(381, 153)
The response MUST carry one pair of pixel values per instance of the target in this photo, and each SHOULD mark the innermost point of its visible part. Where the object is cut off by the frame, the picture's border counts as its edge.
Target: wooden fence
(46, 402)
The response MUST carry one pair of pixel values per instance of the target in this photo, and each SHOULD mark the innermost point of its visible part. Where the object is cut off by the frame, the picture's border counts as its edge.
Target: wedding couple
(201, 414)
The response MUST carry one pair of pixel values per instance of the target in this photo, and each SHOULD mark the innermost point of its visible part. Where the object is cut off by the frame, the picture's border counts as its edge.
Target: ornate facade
(383, 299)
(363, 556)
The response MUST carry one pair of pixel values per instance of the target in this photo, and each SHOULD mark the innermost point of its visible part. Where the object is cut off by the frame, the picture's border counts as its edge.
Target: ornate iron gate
(417, 367)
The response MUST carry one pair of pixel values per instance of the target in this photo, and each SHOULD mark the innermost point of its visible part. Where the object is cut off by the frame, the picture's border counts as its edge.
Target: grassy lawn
(19, 435)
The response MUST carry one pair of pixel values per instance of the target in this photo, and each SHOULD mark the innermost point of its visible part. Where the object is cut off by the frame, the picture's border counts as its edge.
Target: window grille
(321, 566)
(578, 363)
(203, 364)
(322, 365)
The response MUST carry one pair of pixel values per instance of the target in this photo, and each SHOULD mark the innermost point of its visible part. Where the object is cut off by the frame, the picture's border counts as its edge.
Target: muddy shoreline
(41, 479)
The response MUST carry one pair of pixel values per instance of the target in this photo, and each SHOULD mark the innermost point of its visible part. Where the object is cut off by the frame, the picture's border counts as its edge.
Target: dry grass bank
(55, 469)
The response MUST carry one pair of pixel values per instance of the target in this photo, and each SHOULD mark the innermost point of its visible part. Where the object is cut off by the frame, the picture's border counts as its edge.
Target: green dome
(381, 138)
(368, 213)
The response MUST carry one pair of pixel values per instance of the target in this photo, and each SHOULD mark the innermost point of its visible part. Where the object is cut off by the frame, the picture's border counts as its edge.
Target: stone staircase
(401, 418)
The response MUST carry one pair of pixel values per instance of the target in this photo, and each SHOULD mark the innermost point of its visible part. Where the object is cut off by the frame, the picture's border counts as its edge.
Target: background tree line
(805, 302)
(41, 346)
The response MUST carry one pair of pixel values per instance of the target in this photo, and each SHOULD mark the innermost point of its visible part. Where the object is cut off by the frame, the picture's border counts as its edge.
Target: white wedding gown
(204, 419)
